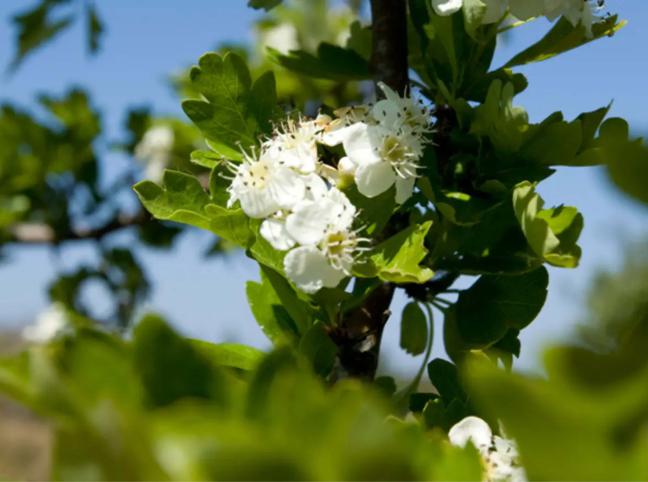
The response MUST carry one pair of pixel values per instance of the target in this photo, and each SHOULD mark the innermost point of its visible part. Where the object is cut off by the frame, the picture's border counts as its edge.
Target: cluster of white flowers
(286, 185)
(575, 11)
(154, 150)
(50, 324)
(499, 455)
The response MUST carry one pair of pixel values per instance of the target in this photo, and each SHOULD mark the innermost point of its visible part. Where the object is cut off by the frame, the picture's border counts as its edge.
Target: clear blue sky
(147, 40)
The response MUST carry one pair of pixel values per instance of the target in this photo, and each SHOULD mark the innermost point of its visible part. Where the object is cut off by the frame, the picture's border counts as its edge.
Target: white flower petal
(342, 211)
(274, 232)
(494, 10)
(361, 144)
(526, 9)
(308, 222)
(286, 187)
(335, 136)
(346, 166)
(404, 188)
(446, 7)
(315, 186)
(471, 429)
(257, 204)
(374, 179)
(310, 270)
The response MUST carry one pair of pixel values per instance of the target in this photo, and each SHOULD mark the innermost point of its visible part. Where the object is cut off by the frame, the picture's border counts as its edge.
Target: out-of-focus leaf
(264, 4)
(414, 329)
(95, 28)
(564, 37)
(331, 62)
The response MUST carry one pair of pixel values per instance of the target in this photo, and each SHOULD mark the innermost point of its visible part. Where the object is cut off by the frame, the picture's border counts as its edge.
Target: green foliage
(564, 37)
(39, 25)
(235, 111)
(398, 259)
(331, 62)
(493, 305)
(551, 233)
(414, 329)
(133, 410)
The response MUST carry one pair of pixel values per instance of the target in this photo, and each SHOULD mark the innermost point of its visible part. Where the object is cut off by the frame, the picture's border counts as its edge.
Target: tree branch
(359, 334)
(37, 233)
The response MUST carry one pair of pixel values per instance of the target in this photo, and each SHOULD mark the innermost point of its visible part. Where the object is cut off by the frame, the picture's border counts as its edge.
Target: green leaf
(319, 349)
(473, 11)
(266, 5)
(35, 27)
(398, 258)
(235, 112)
(232, 355)
(95, 28)
(331, 62)
(564, 37)
(414, 329)
(551, 233)
(486, 311)
(445, 378)
(183, 200)
(499, 120)
(277, 309)
(170, 367)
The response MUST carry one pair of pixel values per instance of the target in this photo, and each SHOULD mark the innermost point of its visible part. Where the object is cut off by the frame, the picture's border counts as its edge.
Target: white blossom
(446, 7)
(294, 145)
(50, 324)
(329, 246)
(382, 157)
(154, 150)
(264, 186)
(499, 455)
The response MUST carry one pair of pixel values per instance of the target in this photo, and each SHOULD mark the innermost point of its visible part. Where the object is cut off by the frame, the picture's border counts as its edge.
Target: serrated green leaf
(235, 112)
(183, 200)
(398, 258)
(331, 62)
(564, 37)
(414, 329)
(486, 311)
(551, 233)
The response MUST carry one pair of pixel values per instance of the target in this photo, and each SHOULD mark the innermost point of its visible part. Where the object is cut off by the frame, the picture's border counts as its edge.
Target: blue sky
(147, 40)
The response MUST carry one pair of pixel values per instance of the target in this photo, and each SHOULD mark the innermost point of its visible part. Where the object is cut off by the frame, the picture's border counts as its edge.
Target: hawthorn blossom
(499, 455)
(263, 185)
(328, 246)
(294, 145)
(154, 150)
(49, 324)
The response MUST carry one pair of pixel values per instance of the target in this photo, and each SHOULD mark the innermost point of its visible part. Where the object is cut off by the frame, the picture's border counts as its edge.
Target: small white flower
(401, 113)
(50, 324)
(273, 229)
(499, 455)
(446, 7)
(282, 37)
(334, 130)
(263, 186)
(383, 157)
(329, 246)
(154, 150)
(294, 145)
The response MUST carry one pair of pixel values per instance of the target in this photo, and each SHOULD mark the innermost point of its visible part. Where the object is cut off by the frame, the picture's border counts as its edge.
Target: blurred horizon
(147, 41)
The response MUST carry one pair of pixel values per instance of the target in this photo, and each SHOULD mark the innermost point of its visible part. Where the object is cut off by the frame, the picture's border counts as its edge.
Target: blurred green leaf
(414, 329)
(564, 37)
(331, 62)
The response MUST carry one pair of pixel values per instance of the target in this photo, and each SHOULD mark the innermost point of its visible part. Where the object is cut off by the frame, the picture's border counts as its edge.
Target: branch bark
(37, 233)
(359, 334)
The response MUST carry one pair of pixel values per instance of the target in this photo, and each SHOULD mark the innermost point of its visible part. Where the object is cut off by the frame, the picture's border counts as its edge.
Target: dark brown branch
(359, 334)
(36, 233)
